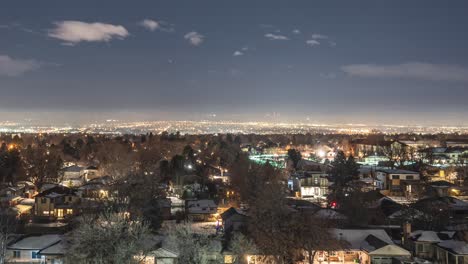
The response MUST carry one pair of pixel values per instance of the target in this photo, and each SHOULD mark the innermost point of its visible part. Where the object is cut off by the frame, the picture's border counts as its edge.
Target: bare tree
(7, 227)
(193, 248)
(241, 246)
(111, 238)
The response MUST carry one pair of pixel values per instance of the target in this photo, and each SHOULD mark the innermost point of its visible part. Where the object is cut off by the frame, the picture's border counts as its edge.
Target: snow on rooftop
(36, 242)
(55, 249)
(356, 237)
(458, 247)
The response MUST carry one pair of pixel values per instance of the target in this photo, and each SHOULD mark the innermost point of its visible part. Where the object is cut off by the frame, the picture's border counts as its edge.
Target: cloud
(246, 48)
(73, 32)
(15, 67)
(149, 24)
(194, 38)
(410, 70)
(237, 53)
(276, 37)
(312, 42)
(296, 31)
(153, 25)
(319, 36)
(332, 43)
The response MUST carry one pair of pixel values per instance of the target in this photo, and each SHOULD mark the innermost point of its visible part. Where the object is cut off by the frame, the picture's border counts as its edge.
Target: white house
(368, 246)
(27, 249)
(201, 210)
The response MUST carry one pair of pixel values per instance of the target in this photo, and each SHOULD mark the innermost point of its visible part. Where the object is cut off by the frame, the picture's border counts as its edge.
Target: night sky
(321, 61)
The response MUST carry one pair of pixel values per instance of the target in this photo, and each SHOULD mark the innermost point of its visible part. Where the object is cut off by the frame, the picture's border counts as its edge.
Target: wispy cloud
(194, 38)
(15, 67)
(312, 42)
(276, 36)
(237, 53)
(410, 70)
(153, 25)
(319, 36)
(296, 31)
(73, 32)
(150, 24)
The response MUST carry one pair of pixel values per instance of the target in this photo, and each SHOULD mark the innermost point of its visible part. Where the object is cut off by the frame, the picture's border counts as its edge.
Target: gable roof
(431, 236)
(57, 191)
(390, 250)
(35, 242)
(357, 237)
(457, 247)
(55, 249)
(164, 253)
(232, 211)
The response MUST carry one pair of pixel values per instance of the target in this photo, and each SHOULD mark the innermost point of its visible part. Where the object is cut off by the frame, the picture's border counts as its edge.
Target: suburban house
(454, 210)
(398, 182)
(375, 146)
(91, 172)
(423, 243)
(452, 252)
(234, 219)
(366, 246)
(314, 184)
(27, 249)
(161, 256)
(54, 254)
(72, 172)
(55, 204)
(201, 210)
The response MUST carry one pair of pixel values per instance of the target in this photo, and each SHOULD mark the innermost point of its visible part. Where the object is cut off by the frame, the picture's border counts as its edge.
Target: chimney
(406, 232)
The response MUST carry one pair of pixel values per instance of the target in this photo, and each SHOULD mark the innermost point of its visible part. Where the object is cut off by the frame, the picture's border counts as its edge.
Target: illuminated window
(45, 212)
(59, 212)
(69, 211)
(228, 259)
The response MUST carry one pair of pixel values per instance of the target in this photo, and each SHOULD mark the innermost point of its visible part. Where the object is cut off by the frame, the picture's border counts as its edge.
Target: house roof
(391, 250)
(357, 237)
(201, 206)
(430, 236)
(232, 211)
(397, 171)
(74, 168)
(441, 184)
(164, 253)
(57, 191)
(451, 202)
(329, 214)
(457, 247)
(35, 242)
(55, 249)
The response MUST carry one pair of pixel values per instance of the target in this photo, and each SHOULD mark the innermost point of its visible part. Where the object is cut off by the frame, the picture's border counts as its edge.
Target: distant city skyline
(372, 62)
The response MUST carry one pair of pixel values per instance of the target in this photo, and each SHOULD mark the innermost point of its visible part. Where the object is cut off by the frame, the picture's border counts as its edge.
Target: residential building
(201, 210)
(27, 249)
(452, 252)
(366, 246)
(314, 184)
(399, 182)
(56, 203)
